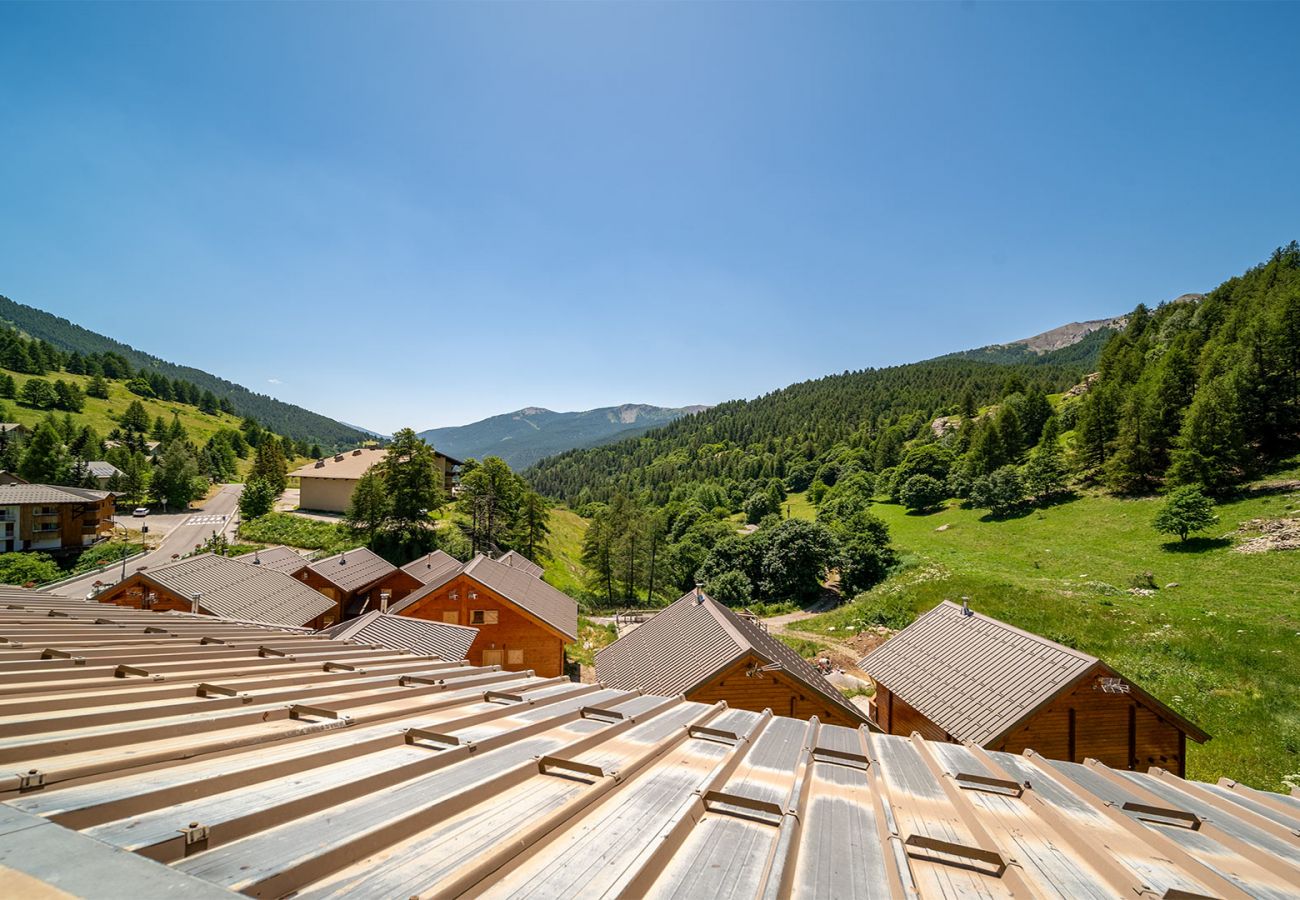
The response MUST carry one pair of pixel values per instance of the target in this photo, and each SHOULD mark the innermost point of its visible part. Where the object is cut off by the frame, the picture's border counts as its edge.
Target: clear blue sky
(425, 214)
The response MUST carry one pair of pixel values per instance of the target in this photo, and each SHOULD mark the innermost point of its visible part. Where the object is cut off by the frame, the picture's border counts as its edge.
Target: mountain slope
(282, 418)
(739, 442)
(523, 437)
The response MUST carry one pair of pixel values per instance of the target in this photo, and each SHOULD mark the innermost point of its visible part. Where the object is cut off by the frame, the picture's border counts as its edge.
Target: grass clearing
(327, 538)
(564, 569)
(1222, 647)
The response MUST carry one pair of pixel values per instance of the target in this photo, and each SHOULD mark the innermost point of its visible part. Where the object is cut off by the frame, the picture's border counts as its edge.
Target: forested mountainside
(792, 431)
(1203, 390)
(523, 437)
(280, 417)
(1200, 391)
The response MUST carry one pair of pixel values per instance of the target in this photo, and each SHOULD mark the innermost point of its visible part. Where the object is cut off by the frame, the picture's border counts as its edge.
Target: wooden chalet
(523, 623)
(357, 581)
(221, 586)
(52, 517)
(702, 649)
(957, 675)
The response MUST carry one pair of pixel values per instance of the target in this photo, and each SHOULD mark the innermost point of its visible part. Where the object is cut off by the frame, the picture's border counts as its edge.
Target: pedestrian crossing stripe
(205, 520)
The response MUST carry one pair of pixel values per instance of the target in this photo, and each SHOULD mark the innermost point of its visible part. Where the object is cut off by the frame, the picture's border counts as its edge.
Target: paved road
(181, 531)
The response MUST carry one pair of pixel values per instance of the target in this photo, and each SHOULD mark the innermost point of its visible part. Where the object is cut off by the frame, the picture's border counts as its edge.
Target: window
(514, 657)
(451, 618)
(483, 617)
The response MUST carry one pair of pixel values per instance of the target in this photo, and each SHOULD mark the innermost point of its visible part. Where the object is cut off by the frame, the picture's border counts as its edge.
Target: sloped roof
(48, 493)
(228, 587)
(337, 770)
(349, 465)
(353, 570)
(553, 607)
(693, 639)
(280, 558)
(977, 678)
(516, 560)
(102, 469)
(432, 566)
(437, 639)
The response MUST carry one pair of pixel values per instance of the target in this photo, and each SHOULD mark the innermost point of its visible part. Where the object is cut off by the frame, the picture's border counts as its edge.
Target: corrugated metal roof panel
(436, 639)
(230, 588)
(337, 770)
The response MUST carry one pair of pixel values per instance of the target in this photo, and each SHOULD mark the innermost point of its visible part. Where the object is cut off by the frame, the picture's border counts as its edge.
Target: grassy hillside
(102, 415)
(1222, 646)
(564, 569)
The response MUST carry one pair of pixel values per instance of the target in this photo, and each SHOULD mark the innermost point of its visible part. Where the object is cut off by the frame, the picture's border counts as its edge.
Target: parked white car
(140, 511)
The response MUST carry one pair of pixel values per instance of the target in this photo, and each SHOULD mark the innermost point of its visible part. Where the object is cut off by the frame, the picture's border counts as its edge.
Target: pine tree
(45, 459)
(135, 418)
(370, 506)
(1044, 474)
(270, 465)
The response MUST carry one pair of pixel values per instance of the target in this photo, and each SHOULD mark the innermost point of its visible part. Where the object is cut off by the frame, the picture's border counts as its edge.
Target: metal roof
(102, 469)
(978, 678)
(47, 494)
(279, 558)
(690, 641)
(228, 587)
(293, 763)
(437, 639)
(352, 464)
(526, 591)
(516, 560)
(353, 570)
(432, 566)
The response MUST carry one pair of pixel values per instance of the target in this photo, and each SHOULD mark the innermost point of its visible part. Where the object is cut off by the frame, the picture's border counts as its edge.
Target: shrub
(999, 492)
(922, 492)
(1186, 510)
(731, 588)
(27, 568)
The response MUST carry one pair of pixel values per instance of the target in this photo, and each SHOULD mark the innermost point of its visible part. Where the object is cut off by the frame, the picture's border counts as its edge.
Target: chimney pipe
(194, 604)
(965, 607)
(384, 597)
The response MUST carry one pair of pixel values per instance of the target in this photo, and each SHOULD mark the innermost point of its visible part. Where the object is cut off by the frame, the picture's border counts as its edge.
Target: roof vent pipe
(194, 604)
(699, 594)
(965, 607)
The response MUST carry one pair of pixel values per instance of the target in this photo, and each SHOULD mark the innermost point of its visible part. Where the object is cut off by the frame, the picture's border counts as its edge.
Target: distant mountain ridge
(526, 435)
(282, 418)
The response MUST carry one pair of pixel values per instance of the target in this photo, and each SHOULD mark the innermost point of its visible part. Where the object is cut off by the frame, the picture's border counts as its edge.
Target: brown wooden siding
(774, 691)
(1117, 729)
(895, 716)
(399, 582)
(538, 646)
(132, 592)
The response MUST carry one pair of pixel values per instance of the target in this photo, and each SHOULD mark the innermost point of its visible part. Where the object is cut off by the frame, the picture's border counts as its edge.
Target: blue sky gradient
(411, 214)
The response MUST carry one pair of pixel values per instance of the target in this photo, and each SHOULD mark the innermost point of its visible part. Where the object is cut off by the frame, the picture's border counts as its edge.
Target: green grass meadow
(1222, 647)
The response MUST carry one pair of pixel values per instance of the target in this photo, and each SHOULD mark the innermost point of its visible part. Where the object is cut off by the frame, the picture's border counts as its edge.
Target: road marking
(204, 520)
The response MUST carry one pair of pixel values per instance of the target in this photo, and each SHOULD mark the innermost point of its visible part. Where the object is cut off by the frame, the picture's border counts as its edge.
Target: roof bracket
(31, 780)
(59, 614)
(840, 758)
(154, 629)
(601, 715)
(1164, 815)
(342, 667)
(546, 764)
(434, 737)
(123, 670)
(489, 696)
(1004, 786)
(265, 651)
(717, 735)
(408, 680)
(211, 640)
(948, 848)
(765, 811)
(52, 653)
(196, 837)
(206, 689)
(299, 710)
(1179, 894)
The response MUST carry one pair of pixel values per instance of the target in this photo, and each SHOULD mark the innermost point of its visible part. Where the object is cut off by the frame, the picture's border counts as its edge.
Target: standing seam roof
(977, 677)
(228, 587)
(688, 642)
(437, 639)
